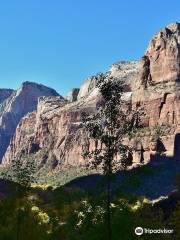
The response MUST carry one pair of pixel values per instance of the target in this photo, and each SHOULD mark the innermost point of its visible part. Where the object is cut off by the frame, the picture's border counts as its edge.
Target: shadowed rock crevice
(177, 147)
(160, 146)
(163, 103)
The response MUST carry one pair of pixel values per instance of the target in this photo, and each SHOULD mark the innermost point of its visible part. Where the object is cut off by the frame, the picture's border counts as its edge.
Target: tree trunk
(109, 208)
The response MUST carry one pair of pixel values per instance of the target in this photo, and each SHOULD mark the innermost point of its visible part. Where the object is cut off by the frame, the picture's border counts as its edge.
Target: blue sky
(60, 43)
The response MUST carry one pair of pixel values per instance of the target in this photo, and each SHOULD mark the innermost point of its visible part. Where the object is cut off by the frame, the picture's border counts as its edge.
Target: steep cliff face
(159, 83)
(152, 84)
(5, 93)
(17, 105)
(54, 130)
(161, 61)
(158, 88)
(57, 135)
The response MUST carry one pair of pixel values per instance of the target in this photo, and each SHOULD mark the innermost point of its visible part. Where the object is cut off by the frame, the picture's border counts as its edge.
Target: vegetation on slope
(72, 214)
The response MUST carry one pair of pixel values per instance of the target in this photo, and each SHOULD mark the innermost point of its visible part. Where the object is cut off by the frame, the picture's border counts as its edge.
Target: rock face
(17, 105)
(153, 84)
(5, 93)
(126, 71)
(54, 130)
(161, 61)
(158, 89)
(87, 88)
(72, 95)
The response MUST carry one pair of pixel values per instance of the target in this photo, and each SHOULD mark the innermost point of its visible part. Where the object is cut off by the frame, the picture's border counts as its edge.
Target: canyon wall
(53, 132)
(4, 94)
(15, 106)
(158, 90)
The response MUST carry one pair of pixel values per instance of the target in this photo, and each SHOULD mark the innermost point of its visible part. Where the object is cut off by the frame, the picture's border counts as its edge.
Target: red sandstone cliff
(154, 84)
(158, 88)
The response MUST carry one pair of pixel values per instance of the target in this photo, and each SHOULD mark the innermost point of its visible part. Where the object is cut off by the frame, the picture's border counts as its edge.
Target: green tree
(21, 171)
(113, 122)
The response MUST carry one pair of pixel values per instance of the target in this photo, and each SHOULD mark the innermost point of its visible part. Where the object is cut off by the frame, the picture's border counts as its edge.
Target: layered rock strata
(16, 106)
(152, 84)
(158, 90)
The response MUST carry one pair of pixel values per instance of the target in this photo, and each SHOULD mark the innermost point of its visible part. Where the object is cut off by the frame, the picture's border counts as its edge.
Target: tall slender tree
(110, 127)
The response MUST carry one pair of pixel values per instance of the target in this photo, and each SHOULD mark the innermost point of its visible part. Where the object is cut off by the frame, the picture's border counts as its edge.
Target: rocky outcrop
(5, 93)
(88, 87)
(158, 89)
(152, 83)
(72, 95)
(16, 106)
(125, 71)
(161, 62)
